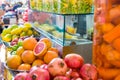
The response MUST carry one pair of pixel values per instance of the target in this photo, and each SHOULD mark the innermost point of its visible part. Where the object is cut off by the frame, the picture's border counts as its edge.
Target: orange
(53, 49)
(20, 50)
(49, 56)
(28, 56)
(107, 27)
(29, 43)
(117, 77)
(24, 66)
(37, 62)
(47, 41)
(13, 61)
(108, 73)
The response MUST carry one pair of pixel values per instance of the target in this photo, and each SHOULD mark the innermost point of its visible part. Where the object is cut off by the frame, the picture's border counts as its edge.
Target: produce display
(63, 6)
(17, 31)
(71, 67)
(106, 48)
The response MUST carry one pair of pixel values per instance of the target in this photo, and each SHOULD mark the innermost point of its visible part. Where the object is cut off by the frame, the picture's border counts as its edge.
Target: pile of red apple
(72, 67)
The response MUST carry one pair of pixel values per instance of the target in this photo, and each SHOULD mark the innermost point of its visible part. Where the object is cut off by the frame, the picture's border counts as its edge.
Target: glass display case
(67, 29)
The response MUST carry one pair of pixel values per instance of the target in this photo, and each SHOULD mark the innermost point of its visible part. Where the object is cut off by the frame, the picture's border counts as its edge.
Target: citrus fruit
(14, 37)
(47, 41)
(23, 34)
(49, 56)
(27, 24)
(40, 49)
(53, 49)
(7, 37)
(29, 43)
(29, 32)
(28, 56)
(37, 62)
(107, 27)
(20, 50)
(13, 61)
(24, 66)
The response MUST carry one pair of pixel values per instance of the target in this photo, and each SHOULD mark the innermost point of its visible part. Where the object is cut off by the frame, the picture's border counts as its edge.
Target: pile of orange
(25, 57)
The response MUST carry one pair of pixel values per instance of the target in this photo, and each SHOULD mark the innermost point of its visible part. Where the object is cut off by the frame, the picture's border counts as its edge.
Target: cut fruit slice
(40, 49)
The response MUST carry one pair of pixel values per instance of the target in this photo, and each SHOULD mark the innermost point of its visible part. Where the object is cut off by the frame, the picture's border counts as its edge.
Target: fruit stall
(55, 41)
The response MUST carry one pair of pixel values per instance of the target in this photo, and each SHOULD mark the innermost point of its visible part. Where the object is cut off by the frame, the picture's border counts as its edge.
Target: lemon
(13, 26)
(27, 24)
(15, 36)
(7, 37)
(23, 34)
(30, 32)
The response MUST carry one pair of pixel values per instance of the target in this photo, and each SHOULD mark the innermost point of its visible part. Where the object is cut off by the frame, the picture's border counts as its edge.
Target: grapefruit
(29, 43)
(47, 42)
(24, 66)
(37, 62)
(28, 56)
(49, 56)
(40, 49)
(13, 61)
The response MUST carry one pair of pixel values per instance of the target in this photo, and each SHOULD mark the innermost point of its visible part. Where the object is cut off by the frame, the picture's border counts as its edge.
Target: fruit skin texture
(37, 62)
(29, 43)
(47, 42)
(53, 49)
(28, 56)
(49, 56)
(38, 74)
(14, 61)
(20, 50)
(61, 78)
(24, 66)
(21, 76)
(44, 66)
(117, 77)
(57, 67)
(40, 49)
(74, 60)
(88, 72)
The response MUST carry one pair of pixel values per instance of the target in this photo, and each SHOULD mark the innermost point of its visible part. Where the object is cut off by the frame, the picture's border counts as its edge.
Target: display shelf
(66, 14)
(46, 34)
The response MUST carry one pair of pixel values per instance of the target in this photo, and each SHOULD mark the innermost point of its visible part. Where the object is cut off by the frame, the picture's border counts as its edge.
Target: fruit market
(59, 39)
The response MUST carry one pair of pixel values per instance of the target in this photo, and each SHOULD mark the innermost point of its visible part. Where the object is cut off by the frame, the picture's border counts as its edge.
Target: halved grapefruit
(47, 41)
(40, 49)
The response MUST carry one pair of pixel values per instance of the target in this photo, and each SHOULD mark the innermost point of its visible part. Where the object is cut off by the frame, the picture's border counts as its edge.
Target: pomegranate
(34, 68)
(75, 74)
(57, 67)
(88, 72)
(38, 74)
(44, 66)
(21, 76)
(74, 60)
(61, 78)
(77, 78)
(72, 73)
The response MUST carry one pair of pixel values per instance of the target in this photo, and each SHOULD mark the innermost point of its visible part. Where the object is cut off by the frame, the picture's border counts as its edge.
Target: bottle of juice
(106, 41)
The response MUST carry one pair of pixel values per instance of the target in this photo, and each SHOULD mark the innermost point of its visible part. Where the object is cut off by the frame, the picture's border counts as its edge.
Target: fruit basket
(13, 71)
